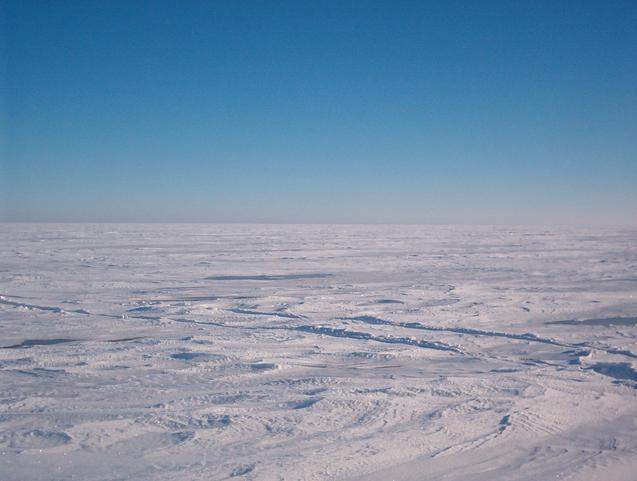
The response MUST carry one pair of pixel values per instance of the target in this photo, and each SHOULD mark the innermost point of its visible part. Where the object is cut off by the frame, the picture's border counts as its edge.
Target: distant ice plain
(316, 352)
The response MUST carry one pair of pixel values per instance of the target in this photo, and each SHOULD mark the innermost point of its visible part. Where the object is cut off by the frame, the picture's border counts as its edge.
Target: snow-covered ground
(209, 352)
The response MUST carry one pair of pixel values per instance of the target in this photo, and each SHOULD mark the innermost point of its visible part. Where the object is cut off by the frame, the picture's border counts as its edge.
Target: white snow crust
(291, 352)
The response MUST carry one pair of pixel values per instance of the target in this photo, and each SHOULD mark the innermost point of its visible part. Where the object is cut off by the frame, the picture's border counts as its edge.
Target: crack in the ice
(269, 277)
(286, 315)
(59, 310)
(27, 343)
(337, 332)
(457, 330)
(478, 332)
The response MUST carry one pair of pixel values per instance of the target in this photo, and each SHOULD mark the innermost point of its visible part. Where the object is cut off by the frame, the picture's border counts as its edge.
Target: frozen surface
(209, 352)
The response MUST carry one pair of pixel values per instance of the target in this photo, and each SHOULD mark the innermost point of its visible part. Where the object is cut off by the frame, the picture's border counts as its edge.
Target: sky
(319, 111)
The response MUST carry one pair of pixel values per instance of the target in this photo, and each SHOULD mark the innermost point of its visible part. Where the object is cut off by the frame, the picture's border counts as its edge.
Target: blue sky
(319, 111)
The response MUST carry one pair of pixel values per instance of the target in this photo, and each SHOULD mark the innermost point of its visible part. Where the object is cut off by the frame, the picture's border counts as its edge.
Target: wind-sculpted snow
(215, 352)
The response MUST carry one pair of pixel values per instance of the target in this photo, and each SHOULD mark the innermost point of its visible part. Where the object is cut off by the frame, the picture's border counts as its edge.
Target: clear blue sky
(319, 111)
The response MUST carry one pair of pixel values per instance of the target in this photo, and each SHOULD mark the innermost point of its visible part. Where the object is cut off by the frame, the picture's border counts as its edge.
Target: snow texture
(213, 352)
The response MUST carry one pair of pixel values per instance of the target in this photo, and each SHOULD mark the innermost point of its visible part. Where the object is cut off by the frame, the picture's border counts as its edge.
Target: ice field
(262, 352)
